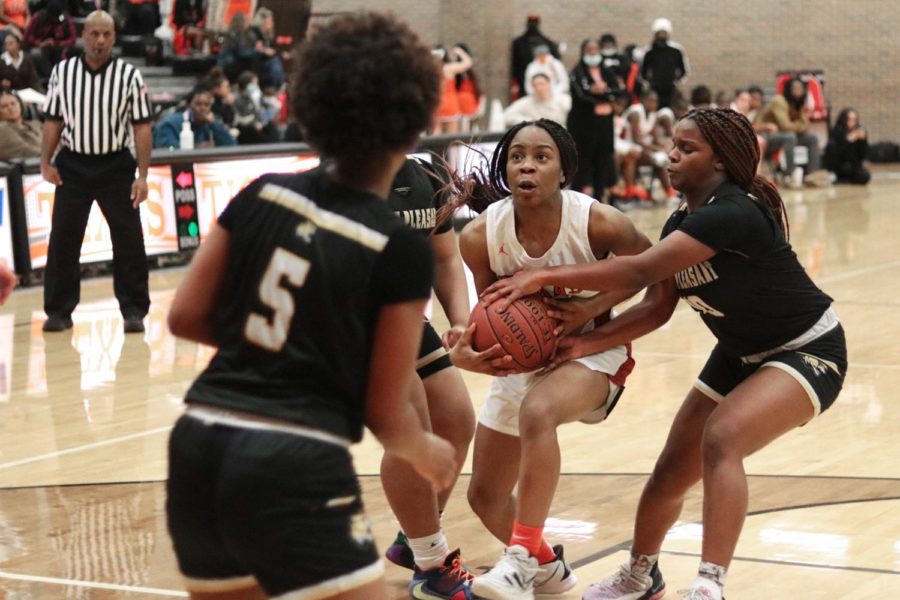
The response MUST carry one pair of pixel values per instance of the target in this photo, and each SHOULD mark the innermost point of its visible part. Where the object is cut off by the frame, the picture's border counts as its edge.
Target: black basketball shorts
(433, 356)
(819, 366)
(276, 508)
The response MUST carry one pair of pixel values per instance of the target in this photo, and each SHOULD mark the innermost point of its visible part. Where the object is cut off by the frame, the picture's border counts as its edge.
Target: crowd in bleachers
(619, 104)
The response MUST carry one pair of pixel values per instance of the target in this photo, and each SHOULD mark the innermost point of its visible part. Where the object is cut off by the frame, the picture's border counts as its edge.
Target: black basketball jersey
(311, 263)
(754, 294)
(417, 195)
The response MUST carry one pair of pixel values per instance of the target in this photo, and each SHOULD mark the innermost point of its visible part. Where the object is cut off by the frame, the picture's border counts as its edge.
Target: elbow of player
(182, 323)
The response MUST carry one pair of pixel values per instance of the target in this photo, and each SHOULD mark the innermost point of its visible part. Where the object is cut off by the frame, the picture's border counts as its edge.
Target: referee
(93, 103)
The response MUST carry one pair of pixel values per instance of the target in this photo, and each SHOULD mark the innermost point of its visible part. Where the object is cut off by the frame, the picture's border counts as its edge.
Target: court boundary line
(92, 584)
(85, 447)
(626, 545)
(792, 563)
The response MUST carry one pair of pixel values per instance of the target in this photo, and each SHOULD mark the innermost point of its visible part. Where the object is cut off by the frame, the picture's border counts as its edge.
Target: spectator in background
(16, 65)
(238, 52)
(757, 99)
(722, 99)
(848, 149)
(14, 12)
(208, 132)
(591, 122)
(188, 12)
(613, 59)
(784, 123)
(18, 138)
(542, 103)
(189, 20)
(523, 52)
(471, 100)
(51, 36)
(743, 103)
(141, 16)
(254, 125)
(633, 83)
(449, 112)
(701, 97)
(223, 98)
(267, 64)
(665, 63)
(643, 131)
(552, 67)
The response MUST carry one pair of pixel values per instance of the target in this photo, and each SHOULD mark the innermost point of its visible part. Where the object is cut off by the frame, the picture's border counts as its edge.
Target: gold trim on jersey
(322, 218)
(431, 357)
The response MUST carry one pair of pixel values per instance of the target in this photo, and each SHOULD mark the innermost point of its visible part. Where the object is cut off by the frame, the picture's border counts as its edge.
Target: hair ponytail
(765, 191)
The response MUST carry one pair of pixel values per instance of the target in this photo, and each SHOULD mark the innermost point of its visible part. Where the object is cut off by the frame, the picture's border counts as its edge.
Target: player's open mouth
(527, 186)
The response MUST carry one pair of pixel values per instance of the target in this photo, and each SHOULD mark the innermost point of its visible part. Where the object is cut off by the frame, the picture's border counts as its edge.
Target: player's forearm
(390, 414)
(600, 276)
(651, 313)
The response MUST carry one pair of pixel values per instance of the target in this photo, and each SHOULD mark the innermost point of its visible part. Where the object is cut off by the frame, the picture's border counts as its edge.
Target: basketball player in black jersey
(312, 290)
(780, 360)
(417, 195)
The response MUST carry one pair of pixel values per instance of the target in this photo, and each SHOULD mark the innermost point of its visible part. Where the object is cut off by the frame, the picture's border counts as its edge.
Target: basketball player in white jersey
(530, 221)
(640, 130)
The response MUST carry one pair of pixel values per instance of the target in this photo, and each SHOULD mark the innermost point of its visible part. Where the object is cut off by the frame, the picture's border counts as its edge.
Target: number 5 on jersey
(259, 330)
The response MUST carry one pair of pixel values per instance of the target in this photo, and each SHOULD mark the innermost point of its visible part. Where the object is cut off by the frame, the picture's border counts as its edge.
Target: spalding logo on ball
(524, 331)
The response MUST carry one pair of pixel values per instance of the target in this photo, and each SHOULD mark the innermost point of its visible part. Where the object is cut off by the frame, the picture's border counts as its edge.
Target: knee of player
(458, 428)
(482, 498)
(719, 444)
(673, 474)
(537, 417)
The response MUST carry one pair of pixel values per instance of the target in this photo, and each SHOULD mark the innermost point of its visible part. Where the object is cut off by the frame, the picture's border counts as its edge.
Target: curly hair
(733, 140)
(364, 82)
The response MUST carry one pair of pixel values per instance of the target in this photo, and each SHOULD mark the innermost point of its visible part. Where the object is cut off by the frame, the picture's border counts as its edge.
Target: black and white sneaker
(555, 577)
(512, 578)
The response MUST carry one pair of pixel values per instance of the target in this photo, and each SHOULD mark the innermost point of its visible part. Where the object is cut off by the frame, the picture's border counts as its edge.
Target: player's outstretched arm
(389, 413)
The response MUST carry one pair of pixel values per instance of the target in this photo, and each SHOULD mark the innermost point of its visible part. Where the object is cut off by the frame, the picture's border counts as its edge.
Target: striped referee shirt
(97, 108)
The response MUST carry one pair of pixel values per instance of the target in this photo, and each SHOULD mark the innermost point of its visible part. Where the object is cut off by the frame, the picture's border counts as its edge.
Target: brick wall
(729, 44)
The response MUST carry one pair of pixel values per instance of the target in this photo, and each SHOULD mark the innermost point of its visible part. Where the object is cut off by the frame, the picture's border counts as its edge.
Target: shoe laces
(456, 570)
(624, 580)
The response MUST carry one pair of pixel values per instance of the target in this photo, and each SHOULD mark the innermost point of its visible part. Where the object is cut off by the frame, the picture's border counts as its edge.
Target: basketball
(524, 330)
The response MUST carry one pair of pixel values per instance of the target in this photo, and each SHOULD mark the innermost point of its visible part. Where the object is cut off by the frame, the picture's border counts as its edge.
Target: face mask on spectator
(591, 60)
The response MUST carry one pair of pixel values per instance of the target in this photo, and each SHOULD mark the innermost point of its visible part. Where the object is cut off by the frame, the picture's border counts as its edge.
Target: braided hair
(733, 141)
(478, 189)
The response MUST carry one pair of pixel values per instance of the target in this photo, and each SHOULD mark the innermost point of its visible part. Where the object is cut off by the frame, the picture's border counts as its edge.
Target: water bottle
(186, 138)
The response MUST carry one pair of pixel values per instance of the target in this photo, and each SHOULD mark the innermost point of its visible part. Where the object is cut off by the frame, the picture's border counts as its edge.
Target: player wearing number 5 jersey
(312, 290)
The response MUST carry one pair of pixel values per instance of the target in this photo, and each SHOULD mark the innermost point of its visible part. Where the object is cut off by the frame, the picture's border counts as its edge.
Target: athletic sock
(642, 564)
(532, 539)
(429, 551)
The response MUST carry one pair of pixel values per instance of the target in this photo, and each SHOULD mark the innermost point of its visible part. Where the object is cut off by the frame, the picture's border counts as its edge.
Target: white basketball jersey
(572, 245)
(646, 123)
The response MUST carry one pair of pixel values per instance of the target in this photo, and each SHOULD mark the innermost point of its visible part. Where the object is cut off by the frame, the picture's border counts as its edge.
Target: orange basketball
(524, 330)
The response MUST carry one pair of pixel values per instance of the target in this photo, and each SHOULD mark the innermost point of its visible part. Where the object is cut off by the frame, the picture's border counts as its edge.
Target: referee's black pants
(106, 179)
